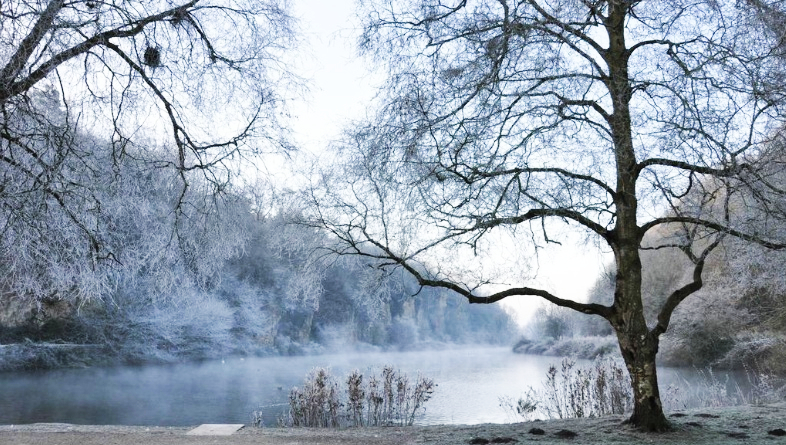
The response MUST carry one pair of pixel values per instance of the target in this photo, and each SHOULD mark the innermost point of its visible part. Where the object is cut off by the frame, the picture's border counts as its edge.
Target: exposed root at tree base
(651, 426)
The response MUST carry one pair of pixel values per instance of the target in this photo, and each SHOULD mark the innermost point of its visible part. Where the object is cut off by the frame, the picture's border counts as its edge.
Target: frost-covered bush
(700, 344)
(710, 388)
(390, 399)
(190, 325)
(577, 347)
(764, 350)
(571, 391)
(585, 347)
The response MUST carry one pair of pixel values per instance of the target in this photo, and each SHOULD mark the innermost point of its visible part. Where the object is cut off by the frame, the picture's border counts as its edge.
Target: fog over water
(470, 383)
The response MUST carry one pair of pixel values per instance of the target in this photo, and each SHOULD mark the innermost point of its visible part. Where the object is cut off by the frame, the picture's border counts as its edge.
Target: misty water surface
(470, 383)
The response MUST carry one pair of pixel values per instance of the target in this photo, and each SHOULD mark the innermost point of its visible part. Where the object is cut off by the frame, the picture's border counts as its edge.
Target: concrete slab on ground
(215, 429)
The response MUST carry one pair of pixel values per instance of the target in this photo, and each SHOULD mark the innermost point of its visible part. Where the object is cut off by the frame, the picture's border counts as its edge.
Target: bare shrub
(713, 389)
(602, 389)
(317, 403)
(356, 395)
(592, 391)
(525, 406)
(257, 419)
(375, 399)
(393, 400)
(577, 391)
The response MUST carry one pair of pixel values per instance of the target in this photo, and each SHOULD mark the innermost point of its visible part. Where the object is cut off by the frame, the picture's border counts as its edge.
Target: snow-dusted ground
(716, 426)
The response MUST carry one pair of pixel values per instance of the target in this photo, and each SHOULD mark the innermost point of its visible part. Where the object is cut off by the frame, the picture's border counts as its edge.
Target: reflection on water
(470, 383)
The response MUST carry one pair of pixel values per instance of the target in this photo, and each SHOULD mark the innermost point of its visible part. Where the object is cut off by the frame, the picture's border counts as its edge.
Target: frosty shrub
(585, 347)
(316, 404)
(571, 391)
(713, 389)
(603, 388)
(355, 396)
(390, 399)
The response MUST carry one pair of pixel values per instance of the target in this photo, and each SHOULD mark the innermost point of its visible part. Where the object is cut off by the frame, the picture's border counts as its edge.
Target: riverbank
(587, 348)
(763, 352)
(715, 426)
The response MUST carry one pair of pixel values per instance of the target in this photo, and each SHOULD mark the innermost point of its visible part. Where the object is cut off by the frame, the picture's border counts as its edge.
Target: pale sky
(340, 88)
(340, 84)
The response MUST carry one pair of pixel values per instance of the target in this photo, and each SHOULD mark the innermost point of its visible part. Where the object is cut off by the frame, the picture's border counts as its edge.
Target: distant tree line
(131, 230)
(226, 275)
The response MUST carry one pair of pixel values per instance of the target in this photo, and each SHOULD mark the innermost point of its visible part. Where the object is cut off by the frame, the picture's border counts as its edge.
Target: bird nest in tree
(180, 16)
(152, 57)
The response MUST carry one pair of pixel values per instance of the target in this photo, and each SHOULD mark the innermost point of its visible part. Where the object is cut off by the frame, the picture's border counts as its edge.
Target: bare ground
(716, 426)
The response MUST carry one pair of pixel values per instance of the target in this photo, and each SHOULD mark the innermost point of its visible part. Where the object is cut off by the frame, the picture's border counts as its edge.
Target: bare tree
(506, 125)
(88, 86)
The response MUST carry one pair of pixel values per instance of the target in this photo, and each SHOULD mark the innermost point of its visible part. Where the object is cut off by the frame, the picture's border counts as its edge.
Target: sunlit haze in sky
(340, 87)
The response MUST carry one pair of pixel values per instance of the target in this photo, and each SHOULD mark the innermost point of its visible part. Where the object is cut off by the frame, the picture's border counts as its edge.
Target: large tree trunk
(639, 356)
(638, 346)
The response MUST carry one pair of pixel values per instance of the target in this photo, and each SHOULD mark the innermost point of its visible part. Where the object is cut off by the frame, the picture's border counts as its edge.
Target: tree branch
(676, 297)
(28, 45)
(10, 88)
(488, 223)
(717, 227)
(423, 280)
(718, 172)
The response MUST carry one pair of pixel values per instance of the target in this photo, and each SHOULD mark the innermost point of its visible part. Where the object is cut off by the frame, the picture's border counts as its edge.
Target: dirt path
(735, 425)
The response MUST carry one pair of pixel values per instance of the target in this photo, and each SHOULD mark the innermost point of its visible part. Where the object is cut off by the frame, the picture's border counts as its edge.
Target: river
(470, 384)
